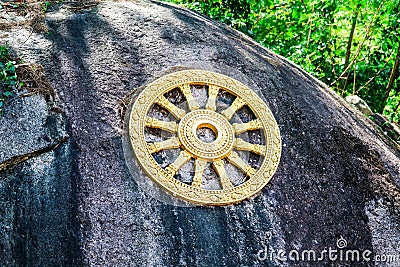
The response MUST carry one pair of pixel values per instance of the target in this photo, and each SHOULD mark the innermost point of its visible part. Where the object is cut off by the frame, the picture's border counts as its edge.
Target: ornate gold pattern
(192, 103)
(248, 126)
(221, 147)
(238, 162)
(163, 125)
(217, 152)
(212, 97)
(167, 144)
(240, 144)
(175, 111)
(237, 104)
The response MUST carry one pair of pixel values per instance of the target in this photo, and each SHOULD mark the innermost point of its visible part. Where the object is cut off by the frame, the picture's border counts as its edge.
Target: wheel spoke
(248, 126)
(237, 104)
(212, 97)
(175, 111)
(240, 144)
(192, 103)
(220, 169)
(169, 126)
(199, 167)
(167, 144)
(174, 167)
(238, 162)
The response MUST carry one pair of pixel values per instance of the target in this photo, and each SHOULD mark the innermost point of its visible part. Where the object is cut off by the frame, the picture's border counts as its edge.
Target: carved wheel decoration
(184, 116)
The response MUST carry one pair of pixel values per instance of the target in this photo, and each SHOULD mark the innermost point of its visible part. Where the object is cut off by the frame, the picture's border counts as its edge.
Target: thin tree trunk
(350, 41)
(310, 29)
(348, 52)
(366, 36)
(376, 75)
(393, 76)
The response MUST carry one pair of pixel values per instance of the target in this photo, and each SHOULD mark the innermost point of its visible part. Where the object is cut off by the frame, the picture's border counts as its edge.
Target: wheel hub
(210, 151)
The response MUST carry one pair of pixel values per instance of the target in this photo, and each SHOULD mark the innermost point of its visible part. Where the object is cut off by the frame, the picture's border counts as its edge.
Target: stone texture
(388, 128)
(38, 226)
(335, 170)
(359, 104)
(29, 127)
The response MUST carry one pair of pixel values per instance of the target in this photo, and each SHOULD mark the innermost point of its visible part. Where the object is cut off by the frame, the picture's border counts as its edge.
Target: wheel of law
(204, 137)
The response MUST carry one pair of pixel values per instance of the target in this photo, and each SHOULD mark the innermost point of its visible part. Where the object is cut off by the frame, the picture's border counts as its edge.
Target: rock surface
(388, 128)
(76, 203)
(37, 193)
(359, 104)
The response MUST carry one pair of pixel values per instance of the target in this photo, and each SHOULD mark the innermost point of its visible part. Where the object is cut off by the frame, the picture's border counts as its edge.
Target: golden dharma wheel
(204, 122)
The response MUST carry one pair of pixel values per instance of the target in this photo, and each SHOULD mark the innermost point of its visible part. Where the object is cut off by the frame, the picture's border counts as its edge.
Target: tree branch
(376, 75)
(350, 41)
(393, 76)
(366, 36)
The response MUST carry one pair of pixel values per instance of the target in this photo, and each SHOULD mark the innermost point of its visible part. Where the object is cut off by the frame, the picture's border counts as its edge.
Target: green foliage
(392, 107)
(234, 13)
(8, 76)
(316, 35)
(45, 6)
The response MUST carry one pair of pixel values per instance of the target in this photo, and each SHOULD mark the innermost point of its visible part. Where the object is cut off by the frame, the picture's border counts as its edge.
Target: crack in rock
(21, 158)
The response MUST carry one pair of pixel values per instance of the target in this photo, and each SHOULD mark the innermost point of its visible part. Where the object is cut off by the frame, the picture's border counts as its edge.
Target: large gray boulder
(67, 197)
